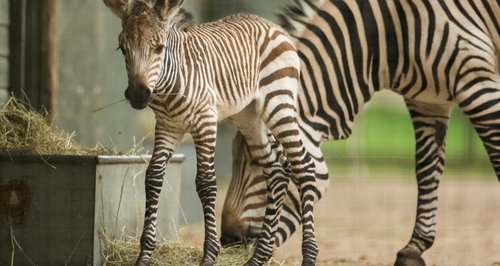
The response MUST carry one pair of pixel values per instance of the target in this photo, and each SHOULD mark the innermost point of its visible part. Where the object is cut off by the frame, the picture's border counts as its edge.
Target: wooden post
(48, 78)
(17, 30)
(33, 63)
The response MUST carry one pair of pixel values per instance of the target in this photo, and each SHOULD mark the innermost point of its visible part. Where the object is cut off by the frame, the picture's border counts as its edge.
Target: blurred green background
(383, 140)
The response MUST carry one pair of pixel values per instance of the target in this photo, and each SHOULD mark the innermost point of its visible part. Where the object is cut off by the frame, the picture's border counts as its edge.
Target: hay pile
(24, 130)
(125, 252)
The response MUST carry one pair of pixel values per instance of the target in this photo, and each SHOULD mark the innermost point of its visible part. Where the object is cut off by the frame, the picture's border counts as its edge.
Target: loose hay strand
(75, 249)
(14, 241)
(108, 105)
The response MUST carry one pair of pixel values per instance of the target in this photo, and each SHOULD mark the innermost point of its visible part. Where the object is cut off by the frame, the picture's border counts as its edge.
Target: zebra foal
(241, 67)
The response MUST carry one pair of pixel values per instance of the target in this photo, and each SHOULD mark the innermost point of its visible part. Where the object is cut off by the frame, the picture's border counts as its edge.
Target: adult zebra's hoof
(408, 258)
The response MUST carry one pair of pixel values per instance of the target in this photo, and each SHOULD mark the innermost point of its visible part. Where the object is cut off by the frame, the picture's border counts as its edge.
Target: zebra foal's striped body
(241, 67)
(433, 53)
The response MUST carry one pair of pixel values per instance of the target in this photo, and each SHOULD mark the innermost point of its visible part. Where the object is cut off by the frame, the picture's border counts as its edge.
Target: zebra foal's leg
(204, 137)
(164, 146)
(430, 123)
(247, 188)
(255, 134)
(303, 174)
(276, 183)
(280, 118)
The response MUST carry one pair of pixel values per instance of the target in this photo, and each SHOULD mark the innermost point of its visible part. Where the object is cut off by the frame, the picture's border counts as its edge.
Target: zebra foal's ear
(167, 8)
(119, 7)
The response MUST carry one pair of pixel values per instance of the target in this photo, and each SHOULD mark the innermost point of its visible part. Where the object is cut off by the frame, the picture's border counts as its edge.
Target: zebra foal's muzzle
(139, 96)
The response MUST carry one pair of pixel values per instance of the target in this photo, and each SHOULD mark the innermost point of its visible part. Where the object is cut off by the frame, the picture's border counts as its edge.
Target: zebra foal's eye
(159, 49)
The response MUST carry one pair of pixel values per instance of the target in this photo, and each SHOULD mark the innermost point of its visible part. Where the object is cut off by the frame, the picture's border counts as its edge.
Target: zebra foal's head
(143, 42)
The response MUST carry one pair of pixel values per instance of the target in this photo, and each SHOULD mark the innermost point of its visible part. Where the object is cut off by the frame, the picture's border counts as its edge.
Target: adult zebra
(434, 53)
(241, 67)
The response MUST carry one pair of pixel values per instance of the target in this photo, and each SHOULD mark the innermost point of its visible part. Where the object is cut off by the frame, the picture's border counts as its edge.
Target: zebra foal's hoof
(207, 262)
(408, 258)
(142, 263)
(251, 263)
(308, 263)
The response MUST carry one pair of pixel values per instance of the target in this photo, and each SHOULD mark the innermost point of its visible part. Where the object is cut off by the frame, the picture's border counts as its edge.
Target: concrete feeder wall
(56, 207)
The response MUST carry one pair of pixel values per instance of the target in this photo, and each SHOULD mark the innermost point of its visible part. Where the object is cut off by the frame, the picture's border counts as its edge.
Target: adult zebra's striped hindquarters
(192, 76)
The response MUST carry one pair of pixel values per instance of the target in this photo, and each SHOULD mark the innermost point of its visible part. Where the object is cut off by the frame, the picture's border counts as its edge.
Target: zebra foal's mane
(182, 20)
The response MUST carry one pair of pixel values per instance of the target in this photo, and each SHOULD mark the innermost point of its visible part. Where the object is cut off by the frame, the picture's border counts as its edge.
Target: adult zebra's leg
(164, 146)
(430, 123)
(204, 138)
(481, 104)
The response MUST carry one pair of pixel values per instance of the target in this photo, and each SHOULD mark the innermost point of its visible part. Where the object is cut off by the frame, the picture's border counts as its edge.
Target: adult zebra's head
(143, 43)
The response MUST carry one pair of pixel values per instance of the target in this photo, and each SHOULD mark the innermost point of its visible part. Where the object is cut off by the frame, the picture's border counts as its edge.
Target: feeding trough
(55, 208)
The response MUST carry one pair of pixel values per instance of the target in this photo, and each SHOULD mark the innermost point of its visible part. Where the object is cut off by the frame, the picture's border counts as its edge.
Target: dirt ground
(365, 222)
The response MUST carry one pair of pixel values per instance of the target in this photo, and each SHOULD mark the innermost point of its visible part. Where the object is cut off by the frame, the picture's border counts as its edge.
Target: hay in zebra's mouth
(125, 252)
(24, 130)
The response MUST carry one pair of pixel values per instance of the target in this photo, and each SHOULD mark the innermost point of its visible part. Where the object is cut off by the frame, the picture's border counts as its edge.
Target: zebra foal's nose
(139, 96)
